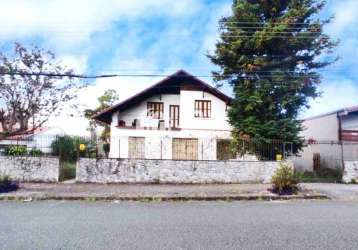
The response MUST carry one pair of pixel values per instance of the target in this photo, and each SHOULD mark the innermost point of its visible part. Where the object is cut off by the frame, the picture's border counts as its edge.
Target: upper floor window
(155, 110)
(202, 109)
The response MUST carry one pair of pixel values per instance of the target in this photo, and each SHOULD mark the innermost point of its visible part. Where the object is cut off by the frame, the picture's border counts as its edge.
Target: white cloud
(336, 95)
(345, 16)
(165, 54)
(74, 21)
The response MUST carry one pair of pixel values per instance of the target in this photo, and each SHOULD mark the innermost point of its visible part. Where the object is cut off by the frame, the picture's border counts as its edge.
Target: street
(179, 225)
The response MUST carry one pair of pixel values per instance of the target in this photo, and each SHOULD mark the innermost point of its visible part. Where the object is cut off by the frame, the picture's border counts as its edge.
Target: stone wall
(350, 171)
(30, 169)
(170, 171)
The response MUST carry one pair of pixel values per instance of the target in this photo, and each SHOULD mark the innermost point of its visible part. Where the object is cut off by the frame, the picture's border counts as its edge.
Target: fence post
(342, 154)
(161, 148)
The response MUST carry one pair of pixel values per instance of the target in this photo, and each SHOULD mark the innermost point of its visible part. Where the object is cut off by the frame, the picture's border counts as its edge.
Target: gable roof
(342, 112)
(170, 85)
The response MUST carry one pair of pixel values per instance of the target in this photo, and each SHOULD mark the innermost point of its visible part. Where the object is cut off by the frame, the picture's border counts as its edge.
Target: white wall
(330, 154)
(159, 142)
(323, 128)
(218, 119)
(140, 111)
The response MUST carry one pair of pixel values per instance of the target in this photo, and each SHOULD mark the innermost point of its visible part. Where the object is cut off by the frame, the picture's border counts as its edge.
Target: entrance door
(174, 116)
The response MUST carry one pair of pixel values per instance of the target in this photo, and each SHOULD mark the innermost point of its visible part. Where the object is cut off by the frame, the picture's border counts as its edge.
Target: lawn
(322, 176)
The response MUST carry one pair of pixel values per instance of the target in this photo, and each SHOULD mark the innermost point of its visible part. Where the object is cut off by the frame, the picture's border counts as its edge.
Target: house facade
(40, 138)
(333, 137)
(180, 117)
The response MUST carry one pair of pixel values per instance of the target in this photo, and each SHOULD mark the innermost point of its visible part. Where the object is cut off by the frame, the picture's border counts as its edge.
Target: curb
(166, 199)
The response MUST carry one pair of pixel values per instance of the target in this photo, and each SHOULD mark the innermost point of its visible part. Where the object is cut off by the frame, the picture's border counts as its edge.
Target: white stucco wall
(323, 128)
(140, 111)
(158, 143)
(218, 119)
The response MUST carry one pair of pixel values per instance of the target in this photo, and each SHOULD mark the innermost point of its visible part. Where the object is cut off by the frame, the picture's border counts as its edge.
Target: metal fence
(326, 154)
(158, 147)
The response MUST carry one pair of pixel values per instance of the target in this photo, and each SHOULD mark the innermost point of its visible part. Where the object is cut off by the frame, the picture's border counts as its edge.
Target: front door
(174, 116)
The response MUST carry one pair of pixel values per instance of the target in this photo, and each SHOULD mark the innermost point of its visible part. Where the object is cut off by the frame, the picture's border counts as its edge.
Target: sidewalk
(150, 192)
(343, 192)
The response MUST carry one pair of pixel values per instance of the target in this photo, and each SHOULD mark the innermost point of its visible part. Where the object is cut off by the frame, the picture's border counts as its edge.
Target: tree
(32, 88)
(106, 100)
(270, 53)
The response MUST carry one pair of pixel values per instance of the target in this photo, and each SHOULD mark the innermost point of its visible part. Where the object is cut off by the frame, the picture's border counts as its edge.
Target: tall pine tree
(270, 52)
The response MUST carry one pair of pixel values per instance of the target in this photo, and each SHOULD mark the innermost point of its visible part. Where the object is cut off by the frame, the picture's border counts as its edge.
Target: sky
(156, 36)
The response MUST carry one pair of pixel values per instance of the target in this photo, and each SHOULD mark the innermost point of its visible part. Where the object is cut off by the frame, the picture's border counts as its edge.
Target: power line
(263, 22)
(148, 75)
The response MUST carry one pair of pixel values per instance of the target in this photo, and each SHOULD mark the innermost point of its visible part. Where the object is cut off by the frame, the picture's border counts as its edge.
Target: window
(155, 110)
(202, 109)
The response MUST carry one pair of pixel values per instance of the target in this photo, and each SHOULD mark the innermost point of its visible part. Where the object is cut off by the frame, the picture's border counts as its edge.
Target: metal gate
(185, 149)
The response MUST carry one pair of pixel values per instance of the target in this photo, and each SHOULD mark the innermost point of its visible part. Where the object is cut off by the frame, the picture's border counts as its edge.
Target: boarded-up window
(136, 147)
(155, 110)
(202, 109)
(223, 150)
(185, 149)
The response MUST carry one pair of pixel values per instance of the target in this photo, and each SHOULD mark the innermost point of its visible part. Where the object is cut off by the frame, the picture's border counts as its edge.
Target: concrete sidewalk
(343, 192)
(155, 192)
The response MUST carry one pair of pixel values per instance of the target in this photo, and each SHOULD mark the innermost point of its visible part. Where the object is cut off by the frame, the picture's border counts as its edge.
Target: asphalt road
(190, 225)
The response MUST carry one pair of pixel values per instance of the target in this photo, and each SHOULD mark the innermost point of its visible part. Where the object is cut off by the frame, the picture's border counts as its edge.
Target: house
(332, 137)
(180, 117)
(40, 138)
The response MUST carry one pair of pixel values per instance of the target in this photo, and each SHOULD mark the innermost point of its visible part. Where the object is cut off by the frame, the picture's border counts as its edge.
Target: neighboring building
(334, 136)
(40, 138)
(340, 125)
(180, 117)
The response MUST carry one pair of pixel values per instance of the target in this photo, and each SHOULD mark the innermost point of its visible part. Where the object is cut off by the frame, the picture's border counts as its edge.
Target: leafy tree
(106, 100)
(32, 88)
(270, 53)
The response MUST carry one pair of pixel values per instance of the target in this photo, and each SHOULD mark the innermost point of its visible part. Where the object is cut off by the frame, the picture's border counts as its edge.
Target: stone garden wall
(170, 171)
(30, 169)
(350, 172)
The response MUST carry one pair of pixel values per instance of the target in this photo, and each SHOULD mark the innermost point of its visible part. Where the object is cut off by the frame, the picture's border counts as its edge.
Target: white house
(180, 117)
(40, 138)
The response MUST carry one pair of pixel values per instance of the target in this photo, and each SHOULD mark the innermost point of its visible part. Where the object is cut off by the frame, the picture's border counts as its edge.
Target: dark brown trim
(177, 108)
(155, 105)
(339, 127)
(202, 109)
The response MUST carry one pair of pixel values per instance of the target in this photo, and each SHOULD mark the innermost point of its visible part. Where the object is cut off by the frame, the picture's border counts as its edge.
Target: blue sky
(156, 36)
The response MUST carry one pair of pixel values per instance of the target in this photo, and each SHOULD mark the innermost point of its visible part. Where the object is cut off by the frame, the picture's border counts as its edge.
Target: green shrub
(67, 148)
(6, 185)
(67, 171)
(284, 180)
(106, 148)
(16, 150)
(36, 152)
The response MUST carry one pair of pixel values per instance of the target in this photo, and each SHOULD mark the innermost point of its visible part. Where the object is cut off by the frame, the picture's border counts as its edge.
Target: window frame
(151, 110)
(202, 109)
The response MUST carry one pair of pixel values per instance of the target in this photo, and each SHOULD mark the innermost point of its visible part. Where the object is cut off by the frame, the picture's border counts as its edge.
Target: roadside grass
(325, 175)
(67, 171)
